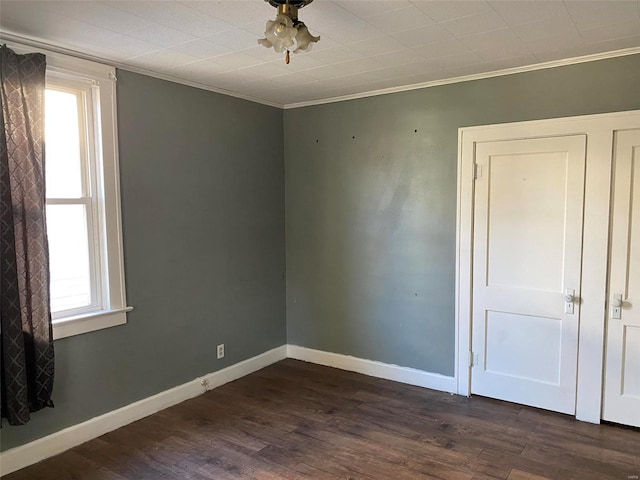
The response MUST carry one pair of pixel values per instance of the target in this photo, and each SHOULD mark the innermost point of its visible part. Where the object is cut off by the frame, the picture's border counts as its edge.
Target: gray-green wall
(371, 204)
(202, 180)
(370, 225)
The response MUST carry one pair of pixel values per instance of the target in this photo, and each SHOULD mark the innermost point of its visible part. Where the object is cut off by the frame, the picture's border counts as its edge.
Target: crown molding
(467, 78)
(46, 45)
(41, 44)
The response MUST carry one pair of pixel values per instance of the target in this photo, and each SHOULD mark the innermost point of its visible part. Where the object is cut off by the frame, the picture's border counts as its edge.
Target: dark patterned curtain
(27, 340)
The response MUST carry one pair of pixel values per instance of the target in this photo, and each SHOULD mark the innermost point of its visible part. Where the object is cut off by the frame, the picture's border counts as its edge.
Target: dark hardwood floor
(298, 420)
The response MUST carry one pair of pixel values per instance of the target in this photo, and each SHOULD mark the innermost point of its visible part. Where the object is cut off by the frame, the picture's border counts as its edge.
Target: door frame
(597, 201)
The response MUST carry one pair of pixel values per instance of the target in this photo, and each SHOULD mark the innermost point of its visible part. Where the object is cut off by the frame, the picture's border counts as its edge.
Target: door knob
(569, 300)
(616, 307)
(616, 301)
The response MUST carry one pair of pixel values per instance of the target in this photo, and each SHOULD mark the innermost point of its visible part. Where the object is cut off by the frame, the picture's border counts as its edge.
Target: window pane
(68, 257)
(62, 144)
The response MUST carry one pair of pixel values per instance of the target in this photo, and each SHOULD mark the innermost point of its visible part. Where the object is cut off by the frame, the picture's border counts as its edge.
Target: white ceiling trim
(8, 37)
(467, 78)
(202, 86)
(44, 45)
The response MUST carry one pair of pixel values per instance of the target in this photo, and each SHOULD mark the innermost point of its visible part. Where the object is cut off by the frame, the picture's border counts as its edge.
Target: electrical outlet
(220, 351)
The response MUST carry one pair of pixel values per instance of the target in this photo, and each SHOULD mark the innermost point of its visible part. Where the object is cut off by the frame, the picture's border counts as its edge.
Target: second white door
(621, 402)
(527, 253)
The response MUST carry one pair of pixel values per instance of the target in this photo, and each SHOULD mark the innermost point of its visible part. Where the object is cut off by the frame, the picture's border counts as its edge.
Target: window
(74, 247)
(82, 188)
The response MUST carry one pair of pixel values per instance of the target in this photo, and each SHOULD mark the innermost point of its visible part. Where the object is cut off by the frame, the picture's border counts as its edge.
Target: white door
(528, 227)
(621, 402)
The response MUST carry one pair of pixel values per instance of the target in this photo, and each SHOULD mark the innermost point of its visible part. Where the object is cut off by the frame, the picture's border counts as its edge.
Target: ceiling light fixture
(286, 32)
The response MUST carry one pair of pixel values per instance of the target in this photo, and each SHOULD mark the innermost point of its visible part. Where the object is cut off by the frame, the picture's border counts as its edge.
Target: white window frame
(89, 155)
(110, 305)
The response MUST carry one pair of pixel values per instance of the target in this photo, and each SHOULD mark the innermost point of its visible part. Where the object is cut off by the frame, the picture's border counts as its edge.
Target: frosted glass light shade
(304, 39)
(286, 32)
(280, 34)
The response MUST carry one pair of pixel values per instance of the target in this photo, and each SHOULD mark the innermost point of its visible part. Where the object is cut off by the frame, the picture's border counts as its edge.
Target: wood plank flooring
(297, 420)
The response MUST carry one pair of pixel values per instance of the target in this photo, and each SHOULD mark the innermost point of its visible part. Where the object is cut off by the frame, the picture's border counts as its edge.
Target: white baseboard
(372, 368)
(45, 447)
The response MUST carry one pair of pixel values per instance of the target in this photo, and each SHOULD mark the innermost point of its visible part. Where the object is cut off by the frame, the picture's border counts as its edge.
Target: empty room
(322, 239)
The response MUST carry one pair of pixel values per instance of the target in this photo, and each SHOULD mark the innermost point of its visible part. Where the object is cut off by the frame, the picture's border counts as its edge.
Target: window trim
(107, 176)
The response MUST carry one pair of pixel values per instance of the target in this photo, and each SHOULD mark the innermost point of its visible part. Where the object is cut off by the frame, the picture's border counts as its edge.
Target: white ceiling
(365, 45)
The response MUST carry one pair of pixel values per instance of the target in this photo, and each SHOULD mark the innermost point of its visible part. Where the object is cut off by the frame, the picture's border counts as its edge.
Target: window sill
(89, 322)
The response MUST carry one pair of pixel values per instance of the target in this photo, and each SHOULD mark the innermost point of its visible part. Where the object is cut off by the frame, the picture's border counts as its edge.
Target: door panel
(630, 362)
(524, 194)
(621, 402)
(507, 351)
(527, 253)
